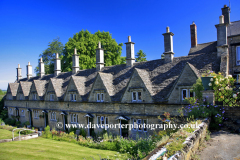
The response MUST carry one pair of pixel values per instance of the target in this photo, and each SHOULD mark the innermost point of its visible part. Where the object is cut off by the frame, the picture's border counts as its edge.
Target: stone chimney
(99, 57)
(130, 56)
(41, 68)
(168, 45)
(57, 65)
(226, 14)
(19, 72)
(193, 32)
(75, 62)
(222, 45)
(29, 71)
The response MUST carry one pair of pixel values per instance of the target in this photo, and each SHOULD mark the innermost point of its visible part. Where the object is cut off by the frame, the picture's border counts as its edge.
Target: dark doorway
(125, 129)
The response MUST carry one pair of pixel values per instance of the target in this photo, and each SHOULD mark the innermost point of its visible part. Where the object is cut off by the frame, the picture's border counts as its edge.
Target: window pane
(135, 124)
(145, 122)
(102, 96)
(191, 94)
(106, 120)
(134, 96)
(98, 97)
(139, 95)
(99, 122)
(184, 94)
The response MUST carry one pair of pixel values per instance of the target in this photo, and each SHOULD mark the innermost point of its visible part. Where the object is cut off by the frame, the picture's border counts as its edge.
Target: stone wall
(232, 116)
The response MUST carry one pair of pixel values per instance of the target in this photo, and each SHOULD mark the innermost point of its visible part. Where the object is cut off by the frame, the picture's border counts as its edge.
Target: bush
(47, 133)
(10, 121)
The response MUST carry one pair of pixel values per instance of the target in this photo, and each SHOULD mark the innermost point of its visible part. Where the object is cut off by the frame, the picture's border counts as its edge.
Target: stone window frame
(73, 97)
(143, 129)
(36, 114)
(237, 55)
(102, 120)
(34, 96)
(74, 118)
(53, 116)
(22, 113)
(188, 88)
(137, 96)
(101, 96)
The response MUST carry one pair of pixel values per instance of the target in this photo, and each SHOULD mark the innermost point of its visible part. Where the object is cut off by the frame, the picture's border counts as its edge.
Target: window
(34, 96)
(53, 116)
(23, 112)
(21, 97)
(51, 97)
(139, 122)
(74, 118)
(238, 55)
(186, 93)
(10, 111)
(140, 125)
(100, 97)
(136, 96)
(35, 114)
(73, 97)
(102, 121)
(135, 126)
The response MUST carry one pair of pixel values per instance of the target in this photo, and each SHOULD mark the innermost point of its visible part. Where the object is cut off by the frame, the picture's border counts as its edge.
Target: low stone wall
(5, 140)
(192, 142)
(26, 137)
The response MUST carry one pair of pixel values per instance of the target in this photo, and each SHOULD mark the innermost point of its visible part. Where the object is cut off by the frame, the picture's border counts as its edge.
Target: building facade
(131, 93)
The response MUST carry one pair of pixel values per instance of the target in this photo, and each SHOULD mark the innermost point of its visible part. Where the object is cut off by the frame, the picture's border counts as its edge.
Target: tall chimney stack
(75, 62)
(222, 45)
(193, 32)
(130, 56)
(29, 71)
(226, 14)
(41, 68)
(57, 65)
(19, 73)
(168, 46)
(99, 57)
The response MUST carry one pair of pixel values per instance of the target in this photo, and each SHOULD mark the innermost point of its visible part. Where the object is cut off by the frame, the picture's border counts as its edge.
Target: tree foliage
(48, 55)
(86, 45)
(141, 56)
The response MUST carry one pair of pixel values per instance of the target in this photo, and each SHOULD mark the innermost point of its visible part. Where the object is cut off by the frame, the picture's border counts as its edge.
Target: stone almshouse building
(135, 92)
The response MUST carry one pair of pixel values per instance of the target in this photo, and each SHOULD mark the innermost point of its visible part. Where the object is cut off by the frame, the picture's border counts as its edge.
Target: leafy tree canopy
(48, 55)
(86, 43)
(141, 56)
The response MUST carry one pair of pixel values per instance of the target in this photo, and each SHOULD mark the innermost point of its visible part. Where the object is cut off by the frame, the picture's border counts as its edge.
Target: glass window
(99, 120)
(184, 94)
(139, 95)
(139, 122)
(238, 55)
(145, 128)
(135, 124)
(51, 97)
(134, 96)
(106, 120)
(191, 93)
(100, 97)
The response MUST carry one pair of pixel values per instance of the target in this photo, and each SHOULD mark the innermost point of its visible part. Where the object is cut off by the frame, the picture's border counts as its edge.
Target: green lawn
(41, 148)
(6, 134)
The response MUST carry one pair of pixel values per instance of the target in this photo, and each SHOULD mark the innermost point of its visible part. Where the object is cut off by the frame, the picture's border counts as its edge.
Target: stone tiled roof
(158, 76)
(25, 87)
(13, 88)
(233, 28)
(204, 48)
(195, 70)
(41, 86)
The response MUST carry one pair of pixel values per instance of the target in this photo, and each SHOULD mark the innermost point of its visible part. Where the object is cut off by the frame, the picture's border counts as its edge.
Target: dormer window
(238, 55)
(51, 97)
(100, 97)
(187, 93)
(34, 96)
(137, 96)
(73, 97)
(21, 97)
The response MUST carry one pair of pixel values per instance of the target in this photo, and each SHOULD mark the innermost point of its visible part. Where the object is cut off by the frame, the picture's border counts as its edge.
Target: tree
(141, 56)
(86, 43)
(48, 55)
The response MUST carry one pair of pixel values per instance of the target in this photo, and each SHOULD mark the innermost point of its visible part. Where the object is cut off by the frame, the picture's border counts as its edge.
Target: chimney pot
(99, 57)
(168, 46)
(130, 56)
(193, 33)
(167, 29)
(221, 19)
(19, 73)
(75, 62)
(41, 68)
(99, 44)
(57, 65)
(29, 71)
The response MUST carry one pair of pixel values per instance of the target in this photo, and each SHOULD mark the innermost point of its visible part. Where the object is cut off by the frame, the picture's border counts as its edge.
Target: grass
(5, 134)
(41, 148)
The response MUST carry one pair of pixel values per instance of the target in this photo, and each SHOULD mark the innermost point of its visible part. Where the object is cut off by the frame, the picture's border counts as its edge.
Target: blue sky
(26, 26)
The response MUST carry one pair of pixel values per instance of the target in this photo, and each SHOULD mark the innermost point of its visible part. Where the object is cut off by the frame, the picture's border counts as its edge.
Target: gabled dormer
(12, 91)
(54, 90)
(37, 90)
(23, 90)
(102, 88)
(139, 88)
(183, 86)
(75, 89)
